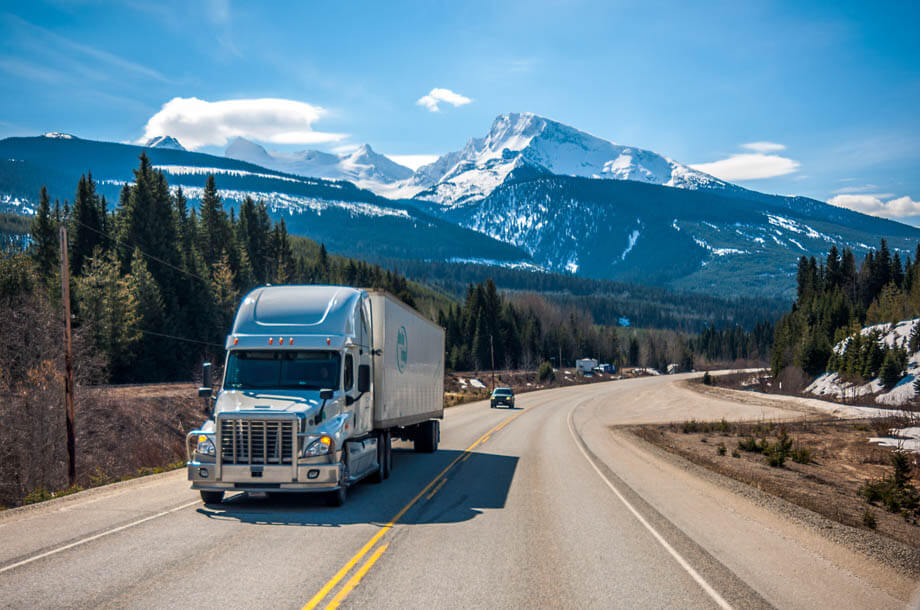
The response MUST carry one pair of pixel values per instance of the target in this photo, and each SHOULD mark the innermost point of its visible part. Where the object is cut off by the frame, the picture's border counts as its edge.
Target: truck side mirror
(205, 390)
(364, 378)
(325, 394)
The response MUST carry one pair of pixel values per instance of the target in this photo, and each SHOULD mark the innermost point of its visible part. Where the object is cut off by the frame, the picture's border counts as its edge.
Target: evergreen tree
(153, 355)
(45, 240)
(87, 224)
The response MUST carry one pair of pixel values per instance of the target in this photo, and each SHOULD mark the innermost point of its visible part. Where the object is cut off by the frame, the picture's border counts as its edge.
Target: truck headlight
(205, 445)
(320, 446)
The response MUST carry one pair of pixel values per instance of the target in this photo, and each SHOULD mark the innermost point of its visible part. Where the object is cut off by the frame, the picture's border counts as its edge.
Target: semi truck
(318, 382)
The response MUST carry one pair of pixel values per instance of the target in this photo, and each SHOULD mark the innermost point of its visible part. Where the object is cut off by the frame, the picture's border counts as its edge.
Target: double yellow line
(438, 480)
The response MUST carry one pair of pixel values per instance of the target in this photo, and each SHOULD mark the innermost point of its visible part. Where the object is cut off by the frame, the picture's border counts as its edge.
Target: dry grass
(841, 460)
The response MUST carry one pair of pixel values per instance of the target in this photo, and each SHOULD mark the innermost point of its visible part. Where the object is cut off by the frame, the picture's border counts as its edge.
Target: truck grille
(253, 441)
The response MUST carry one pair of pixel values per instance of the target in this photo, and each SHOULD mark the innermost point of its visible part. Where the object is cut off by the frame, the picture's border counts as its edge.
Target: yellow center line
(436, 489)
(356, 578)
(345, 569)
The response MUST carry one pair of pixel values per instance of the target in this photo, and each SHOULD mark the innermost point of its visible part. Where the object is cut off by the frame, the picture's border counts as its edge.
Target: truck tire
(212, 497)
(338, 497)
(426, 436)
(381, 473)
(388, 458)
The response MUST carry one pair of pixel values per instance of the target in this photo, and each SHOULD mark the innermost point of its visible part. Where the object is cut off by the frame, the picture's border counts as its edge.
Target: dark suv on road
(502, 396)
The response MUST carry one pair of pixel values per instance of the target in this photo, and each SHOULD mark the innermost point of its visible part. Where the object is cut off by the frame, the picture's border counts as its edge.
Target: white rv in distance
(585, 366)
(318, 381)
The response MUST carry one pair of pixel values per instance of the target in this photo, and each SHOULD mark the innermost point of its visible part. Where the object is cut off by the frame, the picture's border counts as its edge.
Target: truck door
(364, 408)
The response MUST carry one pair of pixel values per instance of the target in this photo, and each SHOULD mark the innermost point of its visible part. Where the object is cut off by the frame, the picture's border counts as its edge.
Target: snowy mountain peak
(363, 166)
(164, 142)
(57, 135)
(526, 140)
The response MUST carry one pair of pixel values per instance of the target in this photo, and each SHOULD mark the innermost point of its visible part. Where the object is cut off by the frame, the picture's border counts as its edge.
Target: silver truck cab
(295, 409)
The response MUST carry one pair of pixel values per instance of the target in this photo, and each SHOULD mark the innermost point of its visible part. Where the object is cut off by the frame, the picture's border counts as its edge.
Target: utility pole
(68, 361)
(492, 351)
(560, 355)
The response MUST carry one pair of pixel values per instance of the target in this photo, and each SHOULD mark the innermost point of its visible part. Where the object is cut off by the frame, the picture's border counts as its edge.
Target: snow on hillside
(519, 141)
(286, 202)
(363, 166)
(831, 384)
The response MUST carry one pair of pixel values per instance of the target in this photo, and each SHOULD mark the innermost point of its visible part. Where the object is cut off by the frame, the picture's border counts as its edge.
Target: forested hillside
(836, 298)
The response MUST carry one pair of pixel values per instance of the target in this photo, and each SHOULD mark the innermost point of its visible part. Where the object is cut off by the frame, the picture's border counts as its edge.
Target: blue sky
(820, 98)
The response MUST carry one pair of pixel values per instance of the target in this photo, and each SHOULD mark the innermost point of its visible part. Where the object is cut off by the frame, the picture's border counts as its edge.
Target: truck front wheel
(212, 497)
(338, 497)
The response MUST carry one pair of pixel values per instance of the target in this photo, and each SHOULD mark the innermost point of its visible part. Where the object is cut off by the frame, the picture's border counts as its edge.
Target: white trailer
(318, 380)
(585, 365)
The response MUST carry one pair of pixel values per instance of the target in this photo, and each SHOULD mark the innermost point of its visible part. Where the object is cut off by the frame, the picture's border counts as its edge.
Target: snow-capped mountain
(363, 166)
(57, 135)
(528, 145)
(164, 142)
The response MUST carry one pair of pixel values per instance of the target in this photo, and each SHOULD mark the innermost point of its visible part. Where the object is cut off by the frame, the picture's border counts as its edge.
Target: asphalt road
(542, 506)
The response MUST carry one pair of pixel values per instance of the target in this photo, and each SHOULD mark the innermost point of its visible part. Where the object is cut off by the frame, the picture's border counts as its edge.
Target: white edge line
(718, 599)
(95, 537)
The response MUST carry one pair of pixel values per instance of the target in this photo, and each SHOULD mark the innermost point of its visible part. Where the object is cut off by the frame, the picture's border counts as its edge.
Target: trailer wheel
(426, 436)
(212, 497)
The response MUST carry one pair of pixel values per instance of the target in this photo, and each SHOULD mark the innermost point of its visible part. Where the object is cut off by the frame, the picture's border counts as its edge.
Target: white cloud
(749, 166)
(764, 147)
(198, 123)
(873, 204)
(438, 95)
(413, 162)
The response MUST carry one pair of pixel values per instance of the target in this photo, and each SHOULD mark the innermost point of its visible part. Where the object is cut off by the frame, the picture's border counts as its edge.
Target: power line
(161, 261)
(150, 332)
(150, 256)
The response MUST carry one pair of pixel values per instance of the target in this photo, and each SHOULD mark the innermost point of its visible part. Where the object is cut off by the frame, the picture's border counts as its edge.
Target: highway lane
(551, 509)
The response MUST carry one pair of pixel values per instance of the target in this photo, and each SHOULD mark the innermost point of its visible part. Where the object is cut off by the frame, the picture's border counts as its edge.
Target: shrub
(545, 372)
(735, 453)
(801, 455)
(869, 519)
(723, 426)
(721, 449)
(39, 494)
(777, 453)
(749, 445)
(707, 378)
(894, 492)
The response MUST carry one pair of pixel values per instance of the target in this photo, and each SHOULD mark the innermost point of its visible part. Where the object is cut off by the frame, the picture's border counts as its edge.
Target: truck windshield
(288, 369)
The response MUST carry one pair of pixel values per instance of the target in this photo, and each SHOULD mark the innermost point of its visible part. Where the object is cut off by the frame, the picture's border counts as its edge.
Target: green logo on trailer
(402, 350)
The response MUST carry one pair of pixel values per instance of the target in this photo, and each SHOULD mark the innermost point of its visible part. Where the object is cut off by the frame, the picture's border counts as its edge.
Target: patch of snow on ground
(830, 384)
(674, 225)
(802, 248)
(633, 237)
(901, 438)
(477, 384)
(724, 251)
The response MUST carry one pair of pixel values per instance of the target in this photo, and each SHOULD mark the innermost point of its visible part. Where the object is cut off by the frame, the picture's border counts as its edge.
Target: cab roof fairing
(309, 313)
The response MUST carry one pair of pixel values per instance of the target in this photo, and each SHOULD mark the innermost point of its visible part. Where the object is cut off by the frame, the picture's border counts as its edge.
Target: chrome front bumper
(310, 477)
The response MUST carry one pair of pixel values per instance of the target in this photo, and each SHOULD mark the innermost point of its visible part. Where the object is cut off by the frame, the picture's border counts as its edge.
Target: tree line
(836, 298)
(524, 329)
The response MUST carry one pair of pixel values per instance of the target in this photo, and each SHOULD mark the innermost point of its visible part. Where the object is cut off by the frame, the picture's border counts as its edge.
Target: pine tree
(108, 312)
(213, 226)
(224, 293)
(87, 224)
(154, 355)
(45, 242)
